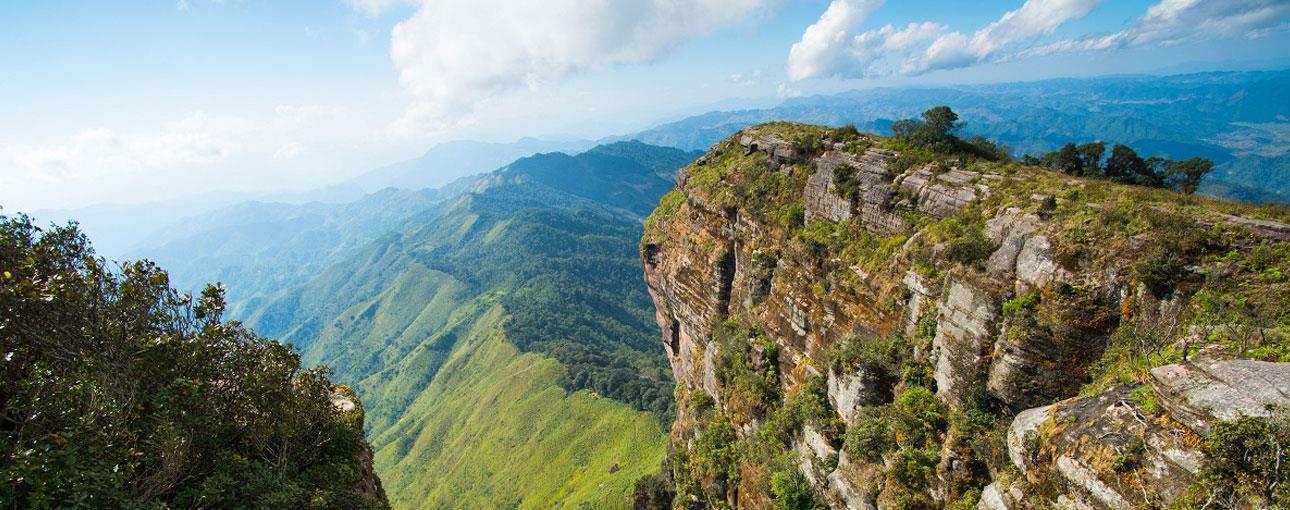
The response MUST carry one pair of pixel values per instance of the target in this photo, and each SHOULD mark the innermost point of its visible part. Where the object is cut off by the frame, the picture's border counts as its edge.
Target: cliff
(858, 323)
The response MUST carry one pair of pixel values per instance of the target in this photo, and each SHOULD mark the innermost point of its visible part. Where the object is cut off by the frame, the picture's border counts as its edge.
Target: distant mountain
(258, 248)
(117, 228)
(1240, 120)
(447, 162)
(503, 341)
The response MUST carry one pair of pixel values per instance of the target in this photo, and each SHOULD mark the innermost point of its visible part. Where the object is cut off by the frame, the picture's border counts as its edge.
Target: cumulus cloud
(453, 54)
(1177, 21)
(825, 44)
(829, 48)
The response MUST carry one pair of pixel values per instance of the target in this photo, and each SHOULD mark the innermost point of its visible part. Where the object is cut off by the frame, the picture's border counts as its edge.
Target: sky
(138, 101)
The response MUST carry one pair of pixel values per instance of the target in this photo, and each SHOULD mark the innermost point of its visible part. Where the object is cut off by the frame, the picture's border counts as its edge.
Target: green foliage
(919, 416)
(712, 462)
(910, 471)
(747, 368)
(882, 358)
(970, 248)
(121, 392)
(1124, 165)
(869, 436)
(1159, 271)
(846, 182)
(1246, 459)
(654, 491)
(789, 490)
(1022, 305)
(934, 133)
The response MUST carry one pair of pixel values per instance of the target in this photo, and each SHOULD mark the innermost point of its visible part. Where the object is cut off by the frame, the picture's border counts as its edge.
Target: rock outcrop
(1209, 390)
(1002, 288)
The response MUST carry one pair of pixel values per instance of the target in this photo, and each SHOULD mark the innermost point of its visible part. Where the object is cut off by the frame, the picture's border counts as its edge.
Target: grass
(494, 429)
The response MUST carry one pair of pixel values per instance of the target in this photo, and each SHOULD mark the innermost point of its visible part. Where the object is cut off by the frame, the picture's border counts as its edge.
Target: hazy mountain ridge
(1220, 116)
(258, 248)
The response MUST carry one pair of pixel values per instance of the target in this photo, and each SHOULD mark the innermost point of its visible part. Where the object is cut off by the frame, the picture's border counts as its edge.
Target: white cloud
(453, 54)
(1177, 21)
(288, 151)
(289, 146)
(1035, 18)
(828, 47)
(824, 46)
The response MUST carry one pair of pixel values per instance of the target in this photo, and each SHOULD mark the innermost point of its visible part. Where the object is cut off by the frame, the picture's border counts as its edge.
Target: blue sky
(141, 100)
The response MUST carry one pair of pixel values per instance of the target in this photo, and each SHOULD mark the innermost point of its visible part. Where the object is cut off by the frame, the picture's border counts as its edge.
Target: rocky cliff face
(350, 409)
(815, 288)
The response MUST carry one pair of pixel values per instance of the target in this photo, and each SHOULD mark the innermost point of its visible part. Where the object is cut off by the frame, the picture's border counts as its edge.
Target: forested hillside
(118, 391)
(504, 341)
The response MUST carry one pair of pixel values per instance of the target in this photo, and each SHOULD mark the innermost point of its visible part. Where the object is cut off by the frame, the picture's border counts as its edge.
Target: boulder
(1208, 390)
(1035, 263)
(1105, 452)
(1022, 434)
(1010, 229)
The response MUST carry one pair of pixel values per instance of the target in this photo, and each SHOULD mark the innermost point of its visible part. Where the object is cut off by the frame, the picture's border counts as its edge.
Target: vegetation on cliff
(1051, 286)
(121, 392)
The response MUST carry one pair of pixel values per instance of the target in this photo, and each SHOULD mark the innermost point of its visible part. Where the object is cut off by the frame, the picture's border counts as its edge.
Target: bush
(869, 437)
(789, 490)
(1247, 458)
(1159, 271)
(969, 248)
(919, 416)
(1022, 305)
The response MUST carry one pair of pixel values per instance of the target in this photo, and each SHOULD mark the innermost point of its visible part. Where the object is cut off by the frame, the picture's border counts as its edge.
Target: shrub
(919, 416)
(1247, 457)
(869, 436)
(1159, 271)
(1022, 305)
(969, 248)
(121, 392)
(790, 491)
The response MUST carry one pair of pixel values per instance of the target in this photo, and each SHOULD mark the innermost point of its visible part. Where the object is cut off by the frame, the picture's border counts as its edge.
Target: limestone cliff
(815, 288)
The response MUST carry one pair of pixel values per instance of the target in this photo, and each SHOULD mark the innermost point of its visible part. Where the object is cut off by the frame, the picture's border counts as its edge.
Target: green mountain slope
(504, 342)
(259, 248)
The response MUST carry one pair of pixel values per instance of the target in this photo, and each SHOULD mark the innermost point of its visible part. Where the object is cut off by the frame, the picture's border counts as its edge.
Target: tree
(120, 392)
(942, 122)
(1067, 160)
(1185, 176)
(1090, 158)
(904, 129)
(1125, 165)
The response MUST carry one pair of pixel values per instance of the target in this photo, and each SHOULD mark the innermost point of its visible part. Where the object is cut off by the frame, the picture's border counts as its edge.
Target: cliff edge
(855, 322)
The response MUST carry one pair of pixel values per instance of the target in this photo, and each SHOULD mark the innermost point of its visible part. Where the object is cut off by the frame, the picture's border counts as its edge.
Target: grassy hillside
(495, 430)
(504, 343)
